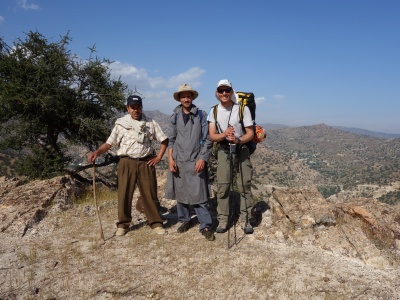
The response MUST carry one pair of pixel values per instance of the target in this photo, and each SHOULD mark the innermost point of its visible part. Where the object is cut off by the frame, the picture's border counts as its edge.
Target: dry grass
(64, 259)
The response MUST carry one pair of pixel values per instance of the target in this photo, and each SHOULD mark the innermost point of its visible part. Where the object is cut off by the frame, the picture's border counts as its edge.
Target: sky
(306, 61)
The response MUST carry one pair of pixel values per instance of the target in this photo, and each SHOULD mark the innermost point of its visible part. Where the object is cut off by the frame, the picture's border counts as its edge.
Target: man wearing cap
(189, 150)
(133, 134)
(228, 132)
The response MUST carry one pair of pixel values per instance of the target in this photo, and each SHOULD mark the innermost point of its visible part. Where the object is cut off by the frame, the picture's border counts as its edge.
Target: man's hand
(173, 167)
(199, 166)
(95, 154)
(230, 134)
(92, 157)
(153, 161)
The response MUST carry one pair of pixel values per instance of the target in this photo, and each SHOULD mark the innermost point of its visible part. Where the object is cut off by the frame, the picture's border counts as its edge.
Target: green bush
(328, 191)
(41, 164)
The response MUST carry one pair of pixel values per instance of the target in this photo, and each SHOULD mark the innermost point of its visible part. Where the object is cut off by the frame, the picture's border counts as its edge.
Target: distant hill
(368, 132)
(163, 120)
(273, 126)
(355, 130)
(341, 157)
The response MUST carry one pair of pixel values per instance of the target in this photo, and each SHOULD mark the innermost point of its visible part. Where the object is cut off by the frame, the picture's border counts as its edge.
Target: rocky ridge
(361, 231)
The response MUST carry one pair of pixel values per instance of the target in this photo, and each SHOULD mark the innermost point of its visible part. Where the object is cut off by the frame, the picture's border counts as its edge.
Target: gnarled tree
(50, 98)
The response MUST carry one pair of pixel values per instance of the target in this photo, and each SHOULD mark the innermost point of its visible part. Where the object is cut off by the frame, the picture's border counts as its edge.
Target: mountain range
(159, 116)
(359, 131)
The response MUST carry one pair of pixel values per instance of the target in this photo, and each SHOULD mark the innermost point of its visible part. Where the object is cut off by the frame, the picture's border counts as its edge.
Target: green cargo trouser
(241, 161)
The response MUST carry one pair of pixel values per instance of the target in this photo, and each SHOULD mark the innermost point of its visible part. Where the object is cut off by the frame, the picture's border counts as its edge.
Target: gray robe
(190, 142)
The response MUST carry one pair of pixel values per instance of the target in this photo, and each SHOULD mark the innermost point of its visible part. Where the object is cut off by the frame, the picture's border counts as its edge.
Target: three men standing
(189, 149)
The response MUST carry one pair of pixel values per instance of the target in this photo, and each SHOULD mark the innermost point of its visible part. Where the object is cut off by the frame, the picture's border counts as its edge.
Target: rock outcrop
(24, 205)
(361, 228)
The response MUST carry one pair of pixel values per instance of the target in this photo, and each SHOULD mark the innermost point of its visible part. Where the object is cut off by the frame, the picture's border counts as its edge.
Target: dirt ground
(63, 257)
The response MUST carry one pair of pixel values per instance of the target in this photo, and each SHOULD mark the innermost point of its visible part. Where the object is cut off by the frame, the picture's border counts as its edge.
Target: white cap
(226, 82)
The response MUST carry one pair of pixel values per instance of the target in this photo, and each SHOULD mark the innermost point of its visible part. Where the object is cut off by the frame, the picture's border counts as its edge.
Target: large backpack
(247, 99)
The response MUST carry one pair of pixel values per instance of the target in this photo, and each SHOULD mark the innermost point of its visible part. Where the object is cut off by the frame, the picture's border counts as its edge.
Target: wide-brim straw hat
(185, 88)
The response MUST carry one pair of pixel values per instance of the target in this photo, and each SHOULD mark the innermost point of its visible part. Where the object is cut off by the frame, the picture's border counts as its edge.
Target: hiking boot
(121, 231)
(208, 234)
(159, 230)
(185, 226)
(220, 229)
(162, 210)
(248, 229)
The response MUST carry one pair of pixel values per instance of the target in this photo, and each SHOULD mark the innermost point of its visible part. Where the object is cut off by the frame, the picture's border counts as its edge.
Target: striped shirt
(123, 138)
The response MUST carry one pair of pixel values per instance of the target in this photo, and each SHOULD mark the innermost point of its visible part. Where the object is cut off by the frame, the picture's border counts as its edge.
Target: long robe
(190, 142)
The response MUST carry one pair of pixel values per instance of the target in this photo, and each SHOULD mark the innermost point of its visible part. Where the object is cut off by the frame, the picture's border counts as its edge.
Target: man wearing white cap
(227, 131)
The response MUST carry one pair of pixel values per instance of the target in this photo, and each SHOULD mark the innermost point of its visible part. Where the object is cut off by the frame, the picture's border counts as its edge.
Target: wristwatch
(239, 140)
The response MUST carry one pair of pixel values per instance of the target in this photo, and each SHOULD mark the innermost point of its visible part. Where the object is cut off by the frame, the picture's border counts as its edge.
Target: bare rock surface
(25, 205)
(364, 229)
(305, 248)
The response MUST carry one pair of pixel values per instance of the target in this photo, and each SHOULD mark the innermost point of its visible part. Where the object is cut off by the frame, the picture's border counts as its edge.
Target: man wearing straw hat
(189, 150)
(134, 134)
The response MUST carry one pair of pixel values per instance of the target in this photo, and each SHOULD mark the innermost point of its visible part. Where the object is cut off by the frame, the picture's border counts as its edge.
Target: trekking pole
(95, 202)
(232, 148)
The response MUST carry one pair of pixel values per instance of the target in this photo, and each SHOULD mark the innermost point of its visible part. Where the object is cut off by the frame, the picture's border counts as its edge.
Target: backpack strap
(201, 115)
(215, 111)
(203, 127)
(241, 114)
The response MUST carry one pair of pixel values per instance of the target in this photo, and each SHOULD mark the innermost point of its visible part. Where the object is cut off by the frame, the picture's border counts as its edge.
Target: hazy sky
(307, 61)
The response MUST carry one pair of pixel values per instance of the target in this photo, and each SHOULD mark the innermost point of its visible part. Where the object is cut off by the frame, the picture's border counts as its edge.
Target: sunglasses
(226, 90)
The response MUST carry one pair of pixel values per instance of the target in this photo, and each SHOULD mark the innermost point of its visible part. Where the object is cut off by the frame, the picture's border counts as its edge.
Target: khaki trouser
(132, 173)
(241, 161)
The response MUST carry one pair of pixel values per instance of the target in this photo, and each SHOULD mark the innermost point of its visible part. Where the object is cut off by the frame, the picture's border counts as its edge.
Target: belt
(146, 158)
